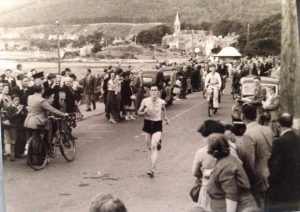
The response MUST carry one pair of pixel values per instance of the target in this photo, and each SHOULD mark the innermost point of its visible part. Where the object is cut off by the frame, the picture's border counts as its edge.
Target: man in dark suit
(284, 167)
(260, 94)
(50, 81)
(89, 86)
(223, 71)
(23, 90)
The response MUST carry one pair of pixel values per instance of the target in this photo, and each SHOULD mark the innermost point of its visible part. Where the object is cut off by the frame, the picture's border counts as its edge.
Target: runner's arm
(142, 108)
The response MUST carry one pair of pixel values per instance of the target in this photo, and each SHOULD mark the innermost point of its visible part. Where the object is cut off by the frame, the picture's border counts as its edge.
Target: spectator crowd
(259, 171)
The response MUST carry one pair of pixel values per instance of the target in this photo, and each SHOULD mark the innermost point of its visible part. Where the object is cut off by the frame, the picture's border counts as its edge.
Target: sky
(10, 4)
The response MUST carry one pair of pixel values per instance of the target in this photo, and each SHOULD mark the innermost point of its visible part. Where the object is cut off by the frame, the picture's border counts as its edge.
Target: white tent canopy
(229, 52)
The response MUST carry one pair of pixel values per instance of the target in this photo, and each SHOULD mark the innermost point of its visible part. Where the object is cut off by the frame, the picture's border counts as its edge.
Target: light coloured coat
(37, 111)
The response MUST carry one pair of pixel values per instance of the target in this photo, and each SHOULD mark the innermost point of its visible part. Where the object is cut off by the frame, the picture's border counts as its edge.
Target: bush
(153, 35)
(70, 55)
(127, 56)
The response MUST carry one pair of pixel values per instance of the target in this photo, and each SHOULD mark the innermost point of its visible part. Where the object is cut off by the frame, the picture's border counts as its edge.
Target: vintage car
(247, 88)
(149, 78)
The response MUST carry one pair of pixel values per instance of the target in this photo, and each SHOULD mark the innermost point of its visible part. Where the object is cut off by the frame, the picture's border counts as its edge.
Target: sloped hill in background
(35, 12)
(110, 30)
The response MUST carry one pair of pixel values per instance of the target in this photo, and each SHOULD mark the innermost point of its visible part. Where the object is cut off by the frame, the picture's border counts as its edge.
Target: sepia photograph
(150, 106)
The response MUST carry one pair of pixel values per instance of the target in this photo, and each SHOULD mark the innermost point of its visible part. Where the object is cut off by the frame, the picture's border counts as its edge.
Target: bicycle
(211, 109)
(40, 150)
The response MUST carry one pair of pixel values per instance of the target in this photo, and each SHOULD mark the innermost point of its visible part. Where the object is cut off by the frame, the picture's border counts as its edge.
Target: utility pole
(240, 11)
(58, 46)
(248, 33)
(290, 61)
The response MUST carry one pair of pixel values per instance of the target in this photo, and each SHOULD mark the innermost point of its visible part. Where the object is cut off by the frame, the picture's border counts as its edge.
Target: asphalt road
(114, 159)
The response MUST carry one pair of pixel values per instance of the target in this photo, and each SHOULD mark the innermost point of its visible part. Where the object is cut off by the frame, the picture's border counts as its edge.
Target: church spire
(177, 24)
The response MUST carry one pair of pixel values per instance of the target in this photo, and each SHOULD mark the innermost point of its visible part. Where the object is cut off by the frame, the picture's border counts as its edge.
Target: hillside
(35, 12)
(109, 30)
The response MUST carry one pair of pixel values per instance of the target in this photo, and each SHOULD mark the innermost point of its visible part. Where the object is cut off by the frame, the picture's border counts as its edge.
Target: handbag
(132, 97)
(176, 91)
(194, 193)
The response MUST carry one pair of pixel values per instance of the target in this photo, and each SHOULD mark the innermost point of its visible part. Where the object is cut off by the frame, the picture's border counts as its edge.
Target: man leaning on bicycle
(213, 84)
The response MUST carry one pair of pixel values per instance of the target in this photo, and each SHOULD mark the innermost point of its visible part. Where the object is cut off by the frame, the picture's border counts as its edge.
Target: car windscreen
(248, 89)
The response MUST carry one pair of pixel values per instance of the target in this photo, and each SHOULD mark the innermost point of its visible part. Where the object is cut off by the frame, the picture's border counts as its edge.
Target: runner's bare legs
(148, 140)
(154, 151)
(153, 108)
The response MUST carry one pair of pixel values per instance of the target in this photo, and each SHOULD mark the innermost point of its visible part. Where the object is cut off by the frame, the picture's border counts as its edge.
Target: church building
(189, 40)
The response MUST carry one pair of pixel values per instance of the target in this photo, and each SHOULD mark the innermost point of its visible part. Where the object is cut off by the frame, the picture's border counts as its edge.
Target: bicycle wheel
(37, 157)
(67, 147)
(210, 107)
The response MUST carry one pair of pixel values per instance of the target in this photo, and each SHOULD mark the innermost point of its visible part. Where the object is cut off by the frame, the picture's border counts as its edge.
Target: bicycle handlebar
(54, 118)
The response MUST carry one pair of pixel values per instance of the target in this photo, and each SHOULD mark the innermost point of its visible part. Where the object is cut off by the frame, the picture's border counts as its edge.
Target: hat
(51, 76)
(37, 74)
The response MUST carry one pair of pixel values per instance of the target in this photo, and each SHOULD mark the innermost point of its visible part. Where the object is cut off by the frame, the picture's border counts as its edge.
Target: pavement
(114, 159)
(100, 109)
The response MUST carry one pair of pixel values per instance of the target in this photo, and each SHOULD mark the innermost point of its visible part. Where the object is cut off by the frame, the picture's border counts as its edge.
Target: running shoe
(159, 145)
(150, 173)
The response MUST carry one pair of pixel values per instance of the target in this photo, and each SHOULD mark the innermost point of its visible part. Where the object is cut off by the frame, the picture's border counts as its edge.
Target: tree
(95, 39)
(290, 56)
(153, 35)
(226, 26)
(264, 39)
(216, 50)
(80, 42)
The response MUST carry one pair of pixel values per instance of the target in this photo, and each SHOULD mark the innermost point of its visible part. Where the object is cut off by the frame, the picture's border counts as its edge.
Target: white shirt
(213, 80)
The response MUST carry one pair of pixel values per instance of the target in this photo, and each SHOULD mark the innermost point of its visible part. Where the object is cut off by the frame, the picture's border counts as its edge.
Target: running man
(152, 108)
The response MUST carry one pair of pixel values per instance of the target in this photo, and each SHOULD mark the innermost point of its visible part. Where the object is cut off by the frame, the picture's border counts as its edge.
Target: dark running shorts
(152, 127)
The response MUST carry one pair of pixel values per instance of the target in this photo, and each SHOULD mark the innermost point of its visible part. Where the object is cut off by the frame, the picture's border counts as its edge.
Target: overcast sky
(10, 4)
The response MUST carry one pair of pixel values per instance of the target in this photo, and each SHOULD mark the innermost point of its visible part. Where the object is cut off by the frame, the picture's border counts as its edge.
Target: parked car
(149, 78)
(247, 88)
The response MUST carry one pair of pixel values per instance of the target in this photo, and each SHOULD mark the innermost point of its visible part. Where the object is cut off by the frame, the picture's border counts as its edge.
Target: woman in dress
(70, 102)
(229, 186)
(204, 162)
(128, 98)
(9, 141)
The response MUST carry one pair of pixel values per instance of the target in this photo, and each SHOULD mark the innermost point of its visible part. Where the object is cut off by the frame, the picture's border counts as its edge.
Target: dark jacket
(284, 167)
(89, 84)
(160, 80)
(16, 119)
(22, 94)
(70, 99)
(127, 92)
(222, 70)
